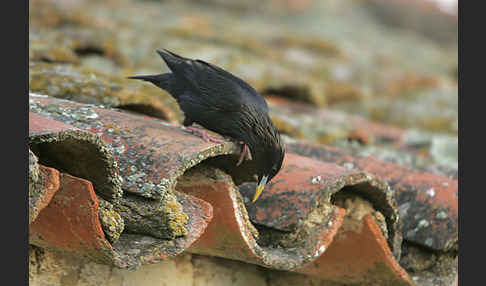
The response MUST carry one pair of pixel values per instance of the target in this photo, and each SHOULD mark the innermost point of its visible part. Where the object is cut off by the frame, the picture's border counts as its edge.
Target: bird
(224, 103)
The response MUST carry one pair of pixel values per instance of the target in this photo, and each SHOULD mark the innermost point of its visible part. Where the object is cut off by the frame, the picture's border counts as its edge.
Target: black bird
(225, 104)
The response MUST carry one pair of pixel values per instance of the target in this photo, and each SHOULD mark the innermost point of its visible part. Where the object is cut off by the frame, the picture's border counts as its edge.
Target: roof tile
(304, 184)
(359, 257)
(70, 222)
(51, 140)
(301, 230)
(43, 184)
(231, 234)
(428, 203)
(316, 223)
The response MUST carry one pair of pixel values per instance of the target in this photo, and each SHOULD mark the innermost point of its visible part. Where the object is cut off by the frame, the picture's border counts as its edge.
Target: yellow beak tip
(258, 192)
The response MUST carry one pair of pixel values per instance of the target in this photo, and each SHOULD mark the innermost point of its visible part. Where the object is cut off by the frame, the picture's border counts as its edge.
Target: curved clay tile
(428, 203)
(43, 184)
(294, 224)
(59, 144)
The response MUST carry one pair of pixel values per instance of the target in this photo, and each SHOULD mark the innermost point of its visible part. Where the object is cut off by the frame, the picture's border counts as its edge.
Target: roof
(369, 189)
(127, 189)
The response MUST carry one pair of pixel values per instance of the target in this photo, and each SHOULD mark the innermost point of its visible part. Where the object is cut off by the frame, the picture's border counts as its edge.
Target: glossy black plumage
(223, 103)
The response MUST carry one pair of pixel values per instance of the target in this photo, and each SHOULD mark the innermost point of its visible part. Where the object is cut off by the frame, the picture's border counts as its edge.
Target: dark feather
(166, 81)
(213, 82)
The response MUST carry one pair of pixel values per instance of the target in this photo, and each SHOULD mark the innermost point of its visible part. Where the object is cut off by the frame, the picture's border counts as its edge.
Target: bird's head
(270, 167)
(268, 152)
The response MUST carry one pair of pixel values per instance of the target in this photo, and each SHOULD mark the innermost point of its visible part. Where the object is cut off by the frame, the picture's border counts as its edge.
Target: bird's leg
(245, 154)
(205, 136)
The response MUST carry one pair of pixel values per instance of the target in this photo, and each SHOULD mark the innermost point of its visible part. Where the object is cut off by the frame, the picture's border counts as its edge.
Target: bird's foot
(204, 134)
(245, 154)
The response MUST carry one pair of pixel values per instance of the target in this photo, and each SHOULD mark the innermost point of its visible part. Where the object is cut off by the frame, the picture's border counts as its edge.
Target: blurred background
(373, 77)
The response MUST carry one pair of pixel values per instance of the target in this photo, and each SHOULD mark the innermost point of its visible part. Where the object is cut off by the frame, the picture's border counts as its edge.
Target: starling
(225, 104)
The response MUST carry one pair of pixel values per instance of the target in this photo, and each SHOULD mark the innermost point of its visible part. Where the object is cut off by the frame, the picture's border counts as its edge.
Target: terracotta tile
(70, 222)
(304, 183)
(284, 205)
(150, 153)
(53, 139)
(231, 235)
(133, 250)
(359, 257)
(358, 128)
(80, 152)
(295, 191)
(428, 203)
(41, 125)
(42, 190)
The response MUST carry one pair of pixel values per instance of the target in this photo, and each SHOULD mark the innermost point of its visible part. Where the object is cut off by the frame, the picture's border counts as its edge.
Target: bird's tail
(165, 81)
(155, 79)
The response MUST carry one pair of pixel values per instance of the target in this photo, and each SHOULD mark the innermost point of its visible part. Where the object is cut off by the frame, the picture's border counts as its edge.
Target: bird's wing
(224, 86)
(214, 85)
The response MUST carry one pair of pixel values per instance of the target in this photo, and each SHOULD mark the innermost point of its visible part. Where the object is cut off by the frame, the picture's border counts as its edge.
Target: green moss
(163, 219)
(89, 86)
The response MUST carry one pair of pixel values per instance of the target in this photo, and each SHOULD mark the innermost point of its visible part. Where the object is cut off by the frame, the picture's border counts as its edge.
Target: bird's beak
(260, 187)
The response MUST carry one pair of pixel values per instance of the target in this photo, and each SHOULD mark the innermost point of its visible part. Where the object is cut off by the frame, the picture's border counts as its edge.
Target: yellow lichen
(177, 218)
(338, 92)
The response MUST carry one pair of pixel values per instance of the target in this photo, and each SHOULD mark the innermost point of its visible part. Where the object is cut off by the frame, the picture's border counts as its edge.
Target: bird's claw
(245, 151)
(245, 154)
(205, 136)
